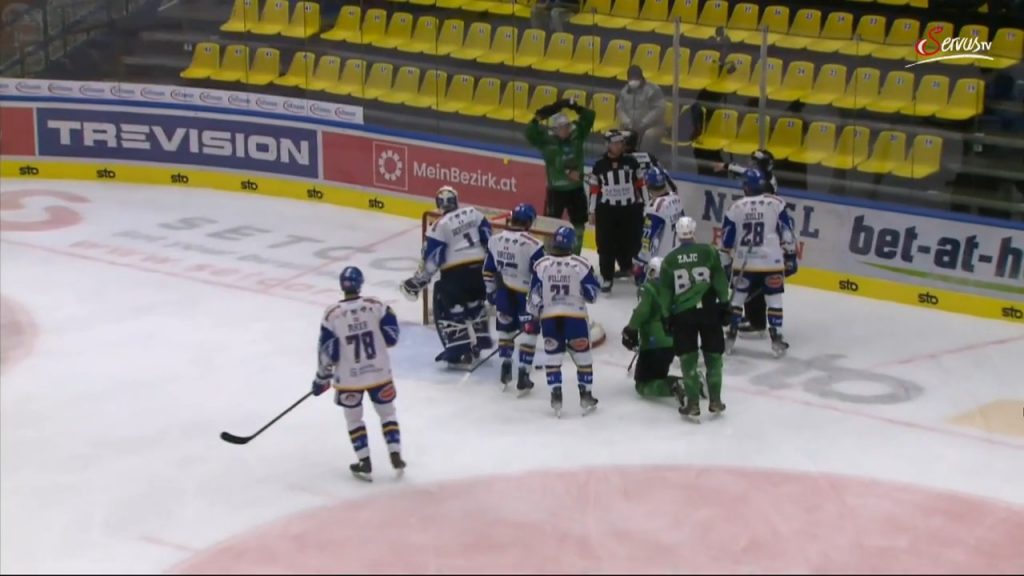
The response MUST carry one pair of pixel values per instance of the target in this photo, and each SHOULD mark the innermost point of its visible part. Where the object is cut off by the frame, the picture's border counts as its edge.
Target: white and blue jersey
(660, 218)
(760, 231)
(458, 238)
(563, 286)
(355, 335)
(511, 256)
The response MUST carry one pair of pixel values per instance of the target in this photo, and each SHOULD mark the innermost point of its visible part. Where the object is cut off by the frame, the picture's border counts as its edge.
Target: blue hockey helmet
(523, 215)
(564, 241)
(447, 199)
(754, 182)
(351, 280)
(656, 179)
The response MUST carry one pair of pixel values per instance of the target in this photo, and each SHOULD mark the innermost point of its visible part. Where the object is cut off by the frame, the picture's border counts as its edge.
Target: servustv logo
(936, 46)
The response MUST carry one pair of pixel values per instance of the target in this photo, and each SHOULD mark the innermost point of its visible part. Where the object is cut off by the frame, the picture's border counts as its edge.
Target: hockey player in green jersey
(646, 335)
(698, 307)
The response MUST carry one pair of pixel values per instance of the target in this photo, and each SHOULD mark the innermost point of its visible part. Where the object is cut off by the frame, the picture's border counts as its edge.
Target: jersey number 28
(753, 234)
(685, 279)
(362, 344)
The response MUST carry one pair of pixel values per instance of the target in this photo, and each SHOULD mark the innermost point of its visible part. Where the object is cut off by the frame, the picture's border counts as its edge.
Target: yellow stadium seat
(919, 3)
(486, 98)
(703, 70)
(500, 7)
(647, 58)
(896, 93)
(735, 73)
(586, 56)
(714, 14)
(806, 28)
(579, 95)
(798, 82)
(828, 85)
(432, 90)
(273, 19)
(932, 95)
(615, 60)
(379, 80)
(352, 79)
(924, 158)
(234, 64)
(742, 22)
(861, 90)
(587, 16)
(424, 37)
(327, 71)
(266, 67)
(819, 143)
(478, 41)
(513, 105)
(776, 20)
(459, 94)
(623, 12)
(869, 36)
(374, 27)
(450, 38)
(889, 151)
(837, 31)
(976, 31)
(244, 14)
(937, 30)
(894, 2)
(603, 105)
(720, 130)
(665, 76)
(305, 21)
(346, 27)
(685, 11)
(748, 138)
(851, 148)
(451, 4)
(652, 14)
(419, 2)
(300, 71)
(772, 72)
(558, 55)
(205, 61)
(399, 31)
(531, 48)
(900, 41)
(1006, 49)
(480, 6)
(503, 48)
(541, 97)
(966, 101)
(406, 85)
(786, 137)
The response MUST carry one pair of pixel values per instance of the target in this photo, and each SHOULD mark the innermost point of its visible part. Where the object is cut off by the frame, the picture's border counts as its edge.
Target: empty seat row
(247, 17)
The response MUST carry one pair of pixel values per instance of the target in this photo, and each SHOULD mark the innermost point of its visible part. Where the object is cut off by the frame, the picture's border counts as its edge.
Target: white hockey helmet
(686, 228)
(446, 199)
(654, 268)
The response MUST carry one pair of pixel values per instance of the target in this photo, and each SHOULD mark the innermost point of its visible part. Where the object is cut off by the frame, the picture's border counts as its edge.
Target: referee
(617, 205)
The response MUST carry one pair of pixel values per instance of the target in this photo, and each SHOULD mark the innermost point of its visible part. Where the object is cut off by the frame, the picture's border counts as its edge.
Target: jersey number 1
(363, 345)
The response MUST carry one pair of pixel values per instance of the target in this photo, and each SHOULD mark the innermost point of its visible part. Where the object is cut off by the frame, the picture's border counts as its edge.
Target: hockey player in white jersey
(562, 286)
(663, 210)
(508, 271)
(456, 245)
(758, 243)
(355, 335)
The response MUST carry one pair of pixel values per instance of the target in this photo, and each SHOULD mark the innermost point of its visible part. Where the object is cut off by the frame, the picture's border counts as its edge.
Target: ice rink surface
(138, 323)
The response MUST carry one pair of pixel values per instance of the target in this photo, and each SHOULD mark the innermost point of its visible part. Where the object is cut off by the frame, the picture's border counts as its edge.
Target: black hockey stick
(232, 439)
(631, 362)
(493, 352)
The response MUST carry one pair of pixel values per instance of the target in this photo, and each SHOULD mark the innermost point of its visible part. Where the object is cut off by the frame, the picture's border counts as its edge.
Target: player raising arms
(508, 271)
(456, 245)
(662, 212)
(355, 335)
(562, 286)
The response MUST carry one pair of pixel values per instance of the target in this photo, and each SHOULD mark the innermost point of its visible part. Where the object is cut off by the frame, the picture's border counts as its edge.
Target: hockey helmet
(686, 228)
(561, 125)
(564, 241)
(351, 280)
(654, 268)
(447, 199)
(656, 181)
(523, 215)
(754, 182)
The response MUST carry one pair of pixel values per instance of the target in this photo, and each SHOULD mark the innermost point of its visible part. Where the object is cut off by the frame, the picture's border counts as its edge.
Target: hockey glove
(411, 288)
(725, 313)
(321, 384)
(789, 260)
(630, 338)
(639, 273)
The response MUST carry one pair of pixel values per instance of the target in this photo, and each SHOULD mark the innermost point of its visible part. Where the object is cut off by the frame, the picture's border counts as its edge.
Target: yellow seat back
(205, 61)
(273, 19)
(347, 25)
(786, 137)
(244, 14)
(305, 21)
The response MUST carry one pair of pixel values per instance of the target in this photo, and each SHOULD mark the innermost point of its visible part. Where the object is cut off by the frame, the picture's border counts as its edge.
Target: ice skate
(716, 407)
(524, 385)
(506, 372)
(679, 392)
(606, 286)
(691, 411)
(556, 401)
(362, 470)
(730, 338)
(587, 401)
(779, 345)
(747, 330)
(397, 463)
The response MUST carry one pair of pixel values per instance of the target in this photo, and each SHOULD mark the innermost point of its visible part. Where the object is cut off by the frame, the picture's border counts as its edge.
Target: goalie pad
(453, 328)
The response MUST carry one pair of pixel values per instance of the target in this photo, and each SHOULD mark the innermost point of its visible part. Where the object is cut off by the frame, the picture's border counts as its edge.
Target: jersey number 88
(685, 279)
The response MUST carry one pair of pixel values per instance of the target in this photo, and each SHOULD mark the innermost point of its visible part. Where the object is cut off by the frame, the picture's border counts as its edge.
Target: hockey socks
(691, 377)
(660, 388)
(580, 229)
(713, 363)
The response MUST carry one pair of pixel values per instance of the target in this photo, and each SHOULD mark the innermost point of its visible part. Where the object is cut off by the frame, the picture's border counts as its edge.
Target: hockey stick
(493, 352)
(232, 439)
(629, 368)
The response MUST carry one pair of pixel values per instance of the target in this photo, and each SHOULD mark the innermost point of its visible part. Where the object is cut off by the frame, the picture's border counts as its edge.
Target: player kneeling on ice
(697, 294)
(563, 285)
(355, 335)
(759, 230)
(508, 271)
(662, 212)
(456, 245)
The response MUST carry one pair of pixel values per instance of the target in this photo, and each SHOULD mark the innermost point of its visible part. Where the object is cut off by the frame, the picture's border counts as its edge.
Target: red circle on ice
(17, 333)
(639, 519)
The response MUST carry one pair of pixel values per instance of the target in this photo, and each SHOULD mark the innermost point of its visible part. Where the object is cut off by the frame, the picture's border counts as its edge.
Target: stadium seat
(504, 7)
(714, 14)
(828, 85)
(478, 41)
(837, 31)
(419, 2)
(652, 14)
(379, 80)
(300, 71)
(923, 160)
(1006, 49)
(266, 67)
(798, 82)
(424, 37)
(399, 31)
(431, 91)
(486, 98)
(735, 73)
(451, 4)
(244, 14)
(940, 31)
(579, 95)
(894, 2)
(805, 29)
(976, 31)
(932, 95)
(450, 37)
(665, 75)
(869, 35)
(703, 69)
(531, 48)
(966, 101)
(772, 72)
(327, 71)
(541, 97)
(558, 55)
(776, 20)
(351, 81)
(861, 90)
(623, 12)
(513, 104)
(720, 130)
(819, 143)
(305, 21)
(205, 61)
(273, 19)
(374, 27)
(900, 41)
(919, 3)
(585, 58)
(748, 138)
(603, 105)
(615, 61)
(459, 94)
(889, 151)
(406, 86)
(647, 58)
(742, 22)
(497, 7)
(685, 11)
(591, 10)
(851, 148)
(234, 64)
(346, 27)
(503, 47)
(785, 138)
(896, 93)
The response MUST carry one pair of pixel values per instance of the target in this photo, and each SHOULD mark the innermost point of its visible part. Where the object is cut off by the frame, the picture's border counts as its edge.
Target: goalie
(456, 245)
